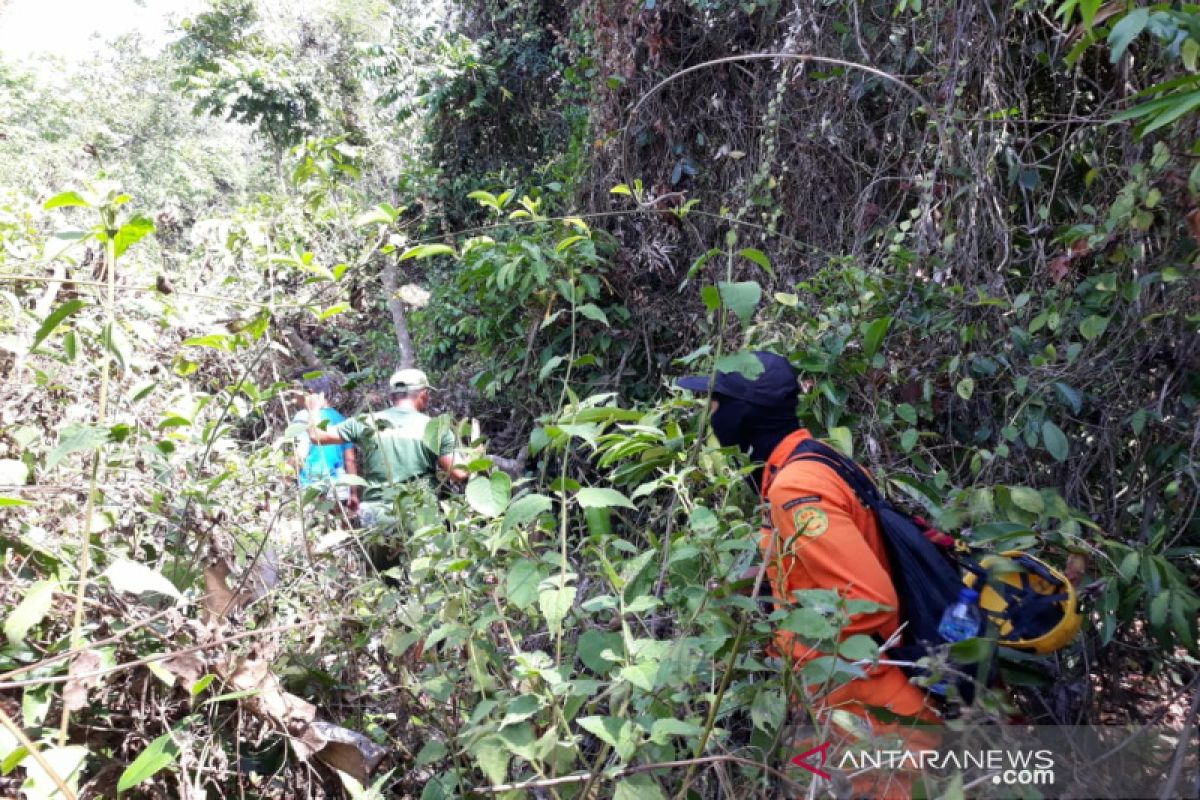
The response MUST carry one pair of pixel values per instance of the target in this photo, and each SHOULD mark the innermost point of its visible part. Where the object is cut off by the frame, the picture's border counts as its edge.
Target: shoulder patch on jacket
(810, 522)
(799, 501)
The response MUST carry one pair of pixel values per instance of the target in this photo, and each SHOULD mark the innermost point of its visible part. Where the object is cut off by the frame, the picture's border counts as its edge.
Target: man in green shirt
(392, 444)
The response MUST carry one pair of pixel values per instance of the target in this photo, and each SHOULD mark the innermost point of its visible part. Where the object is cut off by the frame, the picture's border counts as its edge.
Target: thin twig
(166, 656)
(1182, 750)
(687, 762)
(45, 662)
(37, 755)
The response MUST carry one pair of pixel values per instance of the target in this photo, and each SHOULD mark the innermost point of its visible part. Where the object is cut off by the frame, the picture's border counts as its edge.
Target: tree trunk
(302, 349)
(408, 357)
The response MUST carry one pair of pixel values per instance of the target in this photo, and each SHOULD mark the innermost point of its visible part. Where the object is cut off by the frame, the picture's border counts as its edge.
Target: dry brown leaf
(1059, 268)
(343, 749)
(1193, 221)
(75, 693)
(221, 601)
(1077, 566)
(189, 668)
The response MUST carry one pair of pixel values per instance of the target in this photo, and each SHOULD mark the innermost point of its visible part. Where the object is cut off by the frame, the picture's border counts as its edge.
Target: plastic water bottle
(960, 621)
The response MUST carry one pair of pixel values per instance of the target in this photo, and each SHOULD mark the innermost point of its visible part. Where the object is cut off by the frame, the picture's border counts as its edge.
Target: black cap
(776, 385)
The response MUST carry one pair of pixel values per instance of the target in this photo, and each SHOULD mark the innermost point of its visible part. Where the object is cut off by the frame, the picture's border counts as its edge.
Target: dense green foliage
(990, 284)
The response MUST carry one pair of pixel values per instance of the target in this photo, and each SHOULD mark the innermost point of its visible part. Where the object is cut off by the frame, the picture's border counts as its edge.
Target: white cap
(409, 380)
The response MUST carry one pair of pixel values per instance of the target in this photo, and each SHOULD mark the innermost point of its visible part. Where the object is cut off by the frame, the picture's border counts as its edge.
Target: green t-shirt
(393, 447)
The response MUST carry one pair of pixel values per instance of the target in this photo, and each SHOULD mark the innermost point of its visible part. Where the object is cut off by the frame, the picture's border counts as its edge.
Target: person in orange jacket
(819, 535)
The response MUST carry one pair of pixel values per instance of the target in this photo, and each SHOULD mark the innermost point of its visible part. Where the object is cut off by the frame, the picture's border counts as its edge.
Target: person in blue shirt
(323, 464)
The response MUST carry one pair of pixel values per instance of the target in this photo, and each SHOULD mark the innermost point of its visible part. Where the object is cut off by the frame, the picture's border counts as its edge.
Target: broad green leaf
(520, 710)
(489, 494)
(858, 648)
(606, 729)
(742, 362)
(55, 319)
(30, 611)
(555, 604)
(569, 242)
(158, 755)
(131, 233)
(1093, 326)
(197, 688)
(758, 257)
(620, 188)
(1183, 103)
(339, 308)
(519, 740)
(1125, 31)
(768, 710)
(662, 728)
(590, 311)
(67, 763)
(1158, 608)
(843, 440)
(614, 731)
(830, 670)
(873, 337)
(591, 646)
(741, 298)
(1055, 440)
(638, 787)
(970, 651)
(1027, 499)
(432, 751)
(376, 216)
(907, 413)
(492, 757)
(76, 437)
(908, 440)
(1069, 395)
(135, 578)
(522, 582)
(427, 251)
(66, 199)
(595, 497)
(965, 388)
(217, 341)
(526, 509)
(1129, 565)
(643, 675)
(116, 342)
(809, 624)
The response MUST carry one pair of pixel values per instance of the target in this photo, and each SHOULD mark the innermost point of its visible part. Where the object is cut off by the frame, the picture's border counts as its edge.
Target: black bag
(925, 575)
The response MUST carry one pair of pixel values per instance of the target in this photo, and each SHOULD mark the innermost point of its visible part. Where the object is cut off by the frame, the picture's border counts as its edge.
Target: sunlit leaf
(873, 337)
(554, 604)
(758, 257)
(32, 609)
(135, 578)
(489, 494)
(54, 319)
(597, 497)
(158, 755)
(742, 298)
(66, 199)
(427, 251)
(1055, 440)
(131, 233)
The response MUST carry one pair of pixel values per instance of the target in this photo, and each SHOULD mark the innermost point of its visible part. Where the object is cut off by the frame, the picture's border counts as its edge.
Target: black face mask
(755, 429)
